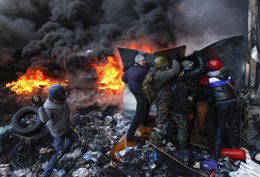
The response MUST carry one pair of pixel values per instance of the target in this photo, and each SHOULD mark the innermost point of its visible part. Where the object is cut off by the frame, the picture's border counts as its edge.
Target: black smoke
(49, 29)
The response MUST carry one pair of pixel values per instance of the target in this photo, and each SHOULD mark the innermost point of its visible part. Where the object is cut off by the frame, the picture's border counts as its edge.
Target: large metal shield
(231, 51)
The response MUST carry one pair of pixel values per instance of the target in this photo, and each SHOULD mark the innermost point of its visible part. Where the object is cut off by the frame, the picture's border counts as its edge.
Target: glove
(37, 101)
(190, 117)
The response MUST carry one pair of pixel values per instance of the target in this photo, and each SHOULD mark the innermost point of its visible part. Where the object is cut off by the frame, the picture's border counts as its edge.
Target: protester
(134, 76)
(56, 113)
(163, 75)
(222, 98)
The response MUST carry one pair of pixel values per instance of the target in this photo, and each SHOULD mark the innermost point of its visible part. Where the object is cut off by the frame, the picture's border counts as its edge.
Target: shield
(128, 57)
(173, 53)
(232, 54)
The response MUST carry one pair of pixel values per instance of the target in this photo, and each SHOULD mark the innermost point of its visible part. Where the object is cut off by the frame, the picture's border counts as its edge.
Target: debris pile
(99, 129)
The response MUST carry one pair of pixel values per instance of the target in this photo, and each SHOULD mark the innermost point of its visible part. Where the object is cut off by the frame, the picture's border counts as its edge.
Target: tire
(26, 121)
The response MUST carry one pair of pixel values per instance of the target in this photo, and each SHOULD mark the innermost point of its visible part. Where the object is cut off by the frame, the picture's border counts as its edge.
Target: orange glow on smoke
(32, 80)
(109, 75)
(141, 47)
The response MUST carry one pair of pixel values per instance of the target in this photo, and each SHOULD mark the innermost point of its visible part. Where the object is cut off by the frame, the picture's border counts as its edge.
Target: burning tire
(26, 121)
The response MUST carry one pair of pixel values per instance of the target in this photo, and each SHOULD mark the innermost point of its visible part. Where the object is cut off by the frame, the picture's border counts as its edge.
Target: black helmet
(57, 93)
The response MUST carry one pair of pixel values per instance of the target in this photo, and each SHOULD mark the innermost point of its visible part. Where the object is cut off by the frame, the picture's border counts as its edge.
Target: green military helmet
(160, 62)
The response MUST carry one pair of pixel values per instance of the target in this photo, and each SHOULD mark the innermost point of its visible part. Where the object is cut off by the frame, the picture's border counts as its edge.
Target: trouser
(195, 113)
(210, 123)
(161, 122)
(141, 114)
(224, 117)
(170, 131)
(61, 143)
(182, 127)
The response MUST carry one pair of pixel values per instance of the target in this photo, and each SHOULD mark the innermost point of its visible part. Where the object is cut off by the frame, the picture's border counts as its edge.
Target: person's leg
(222, 112)
(171, 130)
(161, 121)
(233, 126)
(58, 146)
(195, 113)
(210, 123)
(71, 137)
(137, 117)
(146, 109)
(182, 126)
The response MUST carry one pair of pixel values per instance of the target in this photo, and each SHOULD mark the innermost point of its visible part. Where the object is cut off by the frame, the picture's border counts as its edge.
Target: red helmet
(214, 64)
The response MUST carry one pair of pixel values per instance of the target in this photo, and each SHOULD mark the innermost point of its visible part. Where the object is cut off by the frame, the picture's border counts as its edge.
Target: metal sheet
(128, 55)
(233, 55)
(173, 53)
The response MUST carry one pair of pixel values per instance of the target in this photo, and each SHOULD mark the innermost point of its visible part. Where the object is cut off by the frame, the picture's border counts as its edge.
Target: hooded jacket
(57, 117)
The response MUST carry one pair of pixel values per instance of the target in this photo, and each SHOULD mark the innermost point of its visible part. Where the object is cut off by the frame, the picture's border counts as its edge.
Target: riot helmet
(161, 62)
(57, 93)
(214, 64)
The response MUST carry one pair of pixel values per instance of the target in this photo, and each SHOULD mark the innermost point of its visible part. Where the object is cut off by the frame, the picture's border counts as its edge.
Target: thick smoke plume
(32, 32)
(51, 28)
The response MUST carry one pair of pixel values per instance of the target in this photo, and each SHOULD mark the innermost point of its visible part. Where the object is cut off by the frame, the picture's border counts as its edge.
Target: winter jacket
(192, 77)
(221, 90)
(57, 117)
(162, 84)
(181, 104)
(134, 76)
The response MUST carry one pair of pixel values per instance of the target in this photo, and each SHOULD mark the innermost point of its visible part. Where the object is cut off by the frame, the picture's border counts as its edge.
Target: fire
(109, 75)
(30, 81)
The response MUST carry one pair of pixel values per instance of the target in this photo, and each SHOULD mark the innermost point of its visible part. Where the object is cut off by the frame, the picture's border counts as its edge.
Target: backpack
(148, 87)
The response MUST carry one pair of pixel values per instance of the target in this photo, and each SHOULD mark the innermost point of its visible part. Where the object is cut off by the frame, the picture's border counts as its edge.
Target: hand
(190, 117)
(37, 100)
(181, 73)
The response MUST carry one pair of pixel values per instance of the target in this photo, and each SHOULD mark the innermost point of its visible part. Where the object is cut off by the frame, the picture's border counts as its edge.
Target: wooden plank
(145, 132)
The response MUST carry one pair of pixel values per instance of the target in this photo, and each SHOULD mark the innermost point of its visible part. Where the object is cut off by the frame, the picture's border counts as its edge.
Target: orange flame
(109, 75)
(30, 81)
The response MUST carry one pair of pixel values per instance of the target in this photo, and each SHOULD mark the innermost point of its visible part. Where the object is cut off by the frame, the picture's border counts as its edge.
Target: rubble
(23, 172)
(81, 172)
(99, 130)
(4, 169)
(247, 169)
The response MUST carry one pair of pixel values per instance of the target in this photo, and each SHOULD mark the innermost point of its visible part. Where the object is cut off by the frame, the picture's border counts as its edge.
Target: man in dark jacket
(56, 113)
(181, 112)
(162, 84)
(223, 100)
(134, 76)
(193, 70)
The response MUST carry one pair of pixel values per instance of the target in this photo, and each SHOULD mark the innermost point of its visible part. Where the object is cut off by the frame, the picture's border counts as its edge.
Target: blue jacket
(134, 76)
